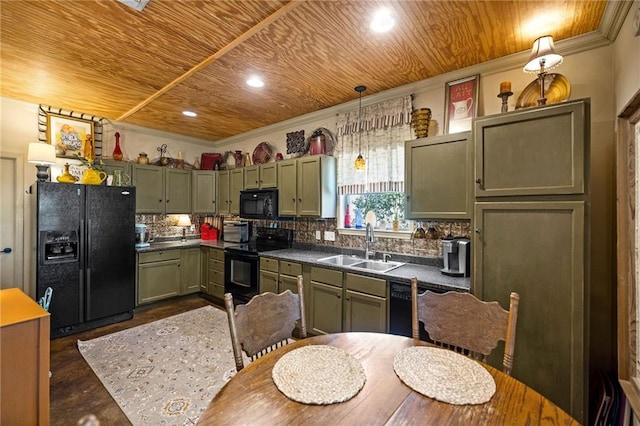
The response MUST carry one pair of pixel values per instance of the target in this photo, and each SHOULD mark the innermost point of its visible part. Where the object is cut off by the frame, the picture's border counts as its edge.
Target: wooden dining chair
(466, 324)
(265, 323)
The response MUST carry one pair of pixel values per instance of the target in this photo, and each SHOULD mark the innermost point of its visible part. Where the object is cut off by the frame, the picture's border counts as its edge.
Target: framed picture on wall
(70, 135)
(461, 104)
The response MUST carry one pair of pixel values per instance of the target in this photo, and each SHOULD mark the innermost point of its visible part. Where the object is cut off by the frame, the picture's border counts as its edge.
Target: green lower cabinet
(190, 272)
(325, 308)
(158, 276)
(364, 312)
(215, 273)
(268, 282)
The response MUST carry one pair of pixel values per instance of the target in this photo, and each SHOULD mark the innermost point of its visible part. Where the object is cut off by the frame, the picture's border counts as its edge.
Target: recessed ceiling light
(382, 21)
(255, 81)
(189, 113)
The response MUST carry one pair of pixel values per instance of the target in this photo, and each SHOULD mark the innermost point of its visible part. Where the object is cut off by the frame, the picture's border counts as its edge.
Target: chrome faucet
(369, 237)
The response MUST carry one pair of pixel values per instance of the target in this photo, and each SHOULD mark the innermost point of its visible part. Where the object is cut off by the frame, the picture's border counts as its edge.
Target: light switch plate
(329, 236)
(318, 235)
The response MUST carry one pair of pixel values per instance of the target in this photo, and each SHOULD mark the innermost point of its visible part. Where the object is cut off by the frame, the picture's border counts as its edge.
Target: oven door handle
(242, 256)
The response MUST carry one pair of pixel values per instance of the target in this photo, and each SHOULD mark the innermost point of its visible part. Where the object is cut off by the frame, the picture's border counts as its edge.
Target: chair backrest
(466, 324)
(266, 322)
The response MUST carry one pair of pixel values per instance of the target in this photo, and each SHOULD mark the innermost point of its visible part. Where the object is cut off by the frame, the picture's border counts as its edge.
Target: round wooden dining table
(252, 398)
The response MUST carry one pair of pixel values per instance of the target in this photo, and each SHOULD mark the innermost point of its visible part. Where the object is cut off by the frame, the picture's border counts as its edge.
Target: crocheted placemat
(444, 375)
(318, 374)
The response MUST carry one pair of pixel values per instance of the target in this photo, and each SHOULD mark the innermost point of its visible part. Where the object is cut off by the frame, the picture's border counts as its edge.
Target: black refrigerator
(84, 243)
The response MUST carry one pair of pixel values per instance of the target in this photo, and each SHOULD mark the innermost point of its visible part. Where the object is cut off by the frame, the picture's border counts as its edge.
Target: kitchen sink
(377, 265)
(341, 260)
(360, 263)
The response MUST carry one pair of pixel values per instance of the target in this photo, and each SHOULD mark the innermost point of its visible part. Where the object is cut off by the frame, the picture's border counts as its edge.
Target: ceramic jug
(67, 177)
(93, 177)
(120, 179)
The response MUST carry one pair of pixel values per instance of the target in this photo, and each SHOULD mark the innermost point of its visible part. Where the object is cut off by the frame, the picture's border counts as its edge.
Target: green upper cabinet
(532, 152)
(162, 190)
(178, 191)
(438, 177)
(149, 183)
(287, 187)
(205, 184)
(126, 168)
(260, 176)
(230, 183)
(307, 187)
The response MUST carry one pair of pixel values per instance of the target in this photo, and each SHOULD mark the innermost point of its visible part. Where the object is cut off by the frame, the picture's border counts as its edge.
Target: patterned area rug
(165, 372)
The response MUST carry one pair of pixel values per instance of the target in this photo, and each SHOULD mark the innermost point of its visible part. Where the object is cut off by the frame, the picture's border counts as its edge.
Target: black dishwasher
(400, 309)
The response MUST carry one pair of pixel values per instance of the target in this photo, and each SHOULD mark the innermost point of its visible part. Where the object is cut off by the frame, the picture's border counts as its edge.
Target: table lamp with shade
(543, 58)
(184, 220)
(42, 155)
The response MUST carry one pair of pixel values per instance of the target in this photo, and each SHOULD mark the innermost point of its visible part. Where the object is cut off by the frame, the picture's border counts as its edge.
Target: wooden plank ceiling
(144, 68)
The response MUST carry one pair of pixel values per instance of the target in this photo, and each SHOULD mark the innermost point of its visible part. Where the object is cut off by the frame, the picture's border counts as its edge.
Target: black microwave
(259, 204)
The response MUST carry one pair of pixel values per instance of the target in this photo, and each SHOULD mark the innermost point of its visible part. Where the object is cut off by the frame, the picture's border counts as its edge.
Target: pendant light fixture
(360, 163)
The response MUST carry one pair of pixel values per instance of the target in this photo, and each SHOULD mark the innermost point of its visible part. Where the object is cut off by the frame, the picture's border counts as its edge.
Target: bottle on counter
(347, 218)
(359, 219)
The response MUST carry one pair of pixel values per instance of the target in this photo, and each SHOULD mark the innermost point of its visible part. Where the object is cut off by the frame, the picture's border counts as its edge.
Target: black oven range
(242, 264)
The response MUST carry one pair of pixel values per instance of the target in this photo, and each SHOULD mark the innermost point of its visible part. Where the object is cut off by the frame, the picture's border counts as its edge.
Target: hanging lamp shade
(360, 162)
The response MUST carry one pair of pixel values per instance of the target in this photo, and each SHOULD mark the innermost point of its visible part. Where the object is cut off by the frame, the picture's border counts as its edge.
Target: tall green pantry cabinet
(531, 236)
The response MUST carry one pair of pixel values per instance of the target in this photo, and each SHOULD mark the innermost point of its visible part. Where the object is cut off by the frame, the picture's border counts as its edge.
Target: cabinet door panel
(325, 309)
(235, 186)
(268, 282)
(224, 180)
(364, 312)
(149, 183)
(309, 196)
(178, 191)
(438, 177)
(268, 175)
(204, 191)
(532, 152)
(537, 250)
(287, 187)
(252, 177)
(190, 271)
(158, 280)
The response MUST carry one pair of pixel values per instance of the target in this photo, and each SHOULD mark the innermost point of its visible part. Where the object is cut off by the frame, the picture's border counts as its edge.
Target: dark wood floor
(75, 390)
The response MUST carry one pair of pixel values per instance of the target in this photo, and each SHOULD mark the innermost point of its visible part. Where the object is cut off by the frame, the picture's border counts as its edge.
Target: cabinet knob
(167, 201)
(478, 181)
(477, 230)
(293, 200)
(300, 200)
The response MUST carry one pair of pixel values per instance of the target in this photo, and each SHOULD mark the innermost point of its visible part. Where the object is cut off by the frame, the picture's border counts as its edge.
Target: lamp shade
(41, 153)
(543, 56)
(184, 220)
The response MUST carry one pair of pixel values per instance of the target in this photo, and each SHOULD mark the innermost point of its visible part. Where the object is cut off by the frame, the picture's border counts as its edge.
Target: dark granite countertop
(428, 275)
(427, 271)
(177, 244)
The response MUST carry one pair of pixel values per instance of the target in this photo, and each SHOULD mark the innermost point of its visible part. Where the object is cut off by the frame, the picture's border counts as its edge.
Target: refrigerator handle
(87, 299)
(81, 294)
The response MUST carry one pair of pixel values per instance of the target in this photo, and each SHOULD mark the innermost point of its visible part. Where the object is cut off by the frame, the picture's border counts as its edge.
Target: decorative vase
(143, 159)
(93, 177)
(238, 158)
(67, 177)
(420, 121)
(117, 152)
(395, 225)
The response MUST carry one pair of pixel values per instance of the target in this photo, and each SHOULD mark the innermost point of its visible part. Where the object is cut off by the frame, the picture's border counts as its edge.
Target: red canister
(213, 234)
(205, 231)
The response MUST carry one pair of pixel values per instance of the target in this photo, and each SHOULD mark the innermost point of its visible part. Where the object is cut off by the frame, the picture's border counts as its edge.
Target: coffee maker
(457, 257)
(142, 238)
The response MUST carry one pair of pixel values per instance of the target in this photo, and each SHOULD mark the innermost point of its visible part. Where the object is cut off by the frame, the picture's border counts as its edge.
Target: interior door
(11, 221)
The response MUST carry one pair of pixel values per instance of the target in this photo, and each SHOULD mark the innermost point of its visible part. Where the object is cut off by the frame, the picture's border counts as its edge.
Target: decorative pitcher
(120, 179)
(93, 177)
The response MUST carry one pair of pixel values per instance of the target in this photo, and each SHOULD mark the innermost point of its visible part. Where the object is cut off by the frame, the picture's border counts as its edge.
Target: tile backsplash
(163, 227)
